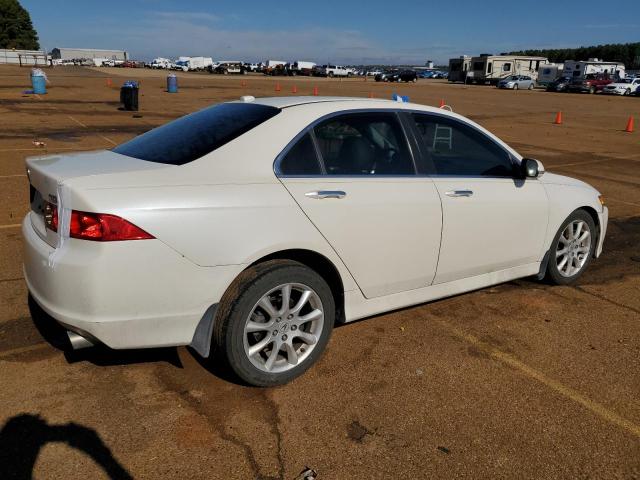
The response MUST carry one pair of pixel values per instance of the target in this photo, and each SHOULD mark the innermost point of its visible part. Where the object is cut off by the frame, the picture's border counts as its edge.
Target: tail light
(99, 227)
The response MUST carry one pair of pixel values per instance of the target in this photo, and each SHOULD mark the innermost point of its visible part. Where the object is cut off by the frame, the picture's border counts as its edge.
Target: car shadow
(24, 435)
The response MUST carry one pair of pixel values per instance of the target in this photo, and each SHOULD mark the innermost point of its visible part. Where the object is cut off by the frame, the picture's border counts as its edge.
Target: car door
(492, 218)
(353, 175)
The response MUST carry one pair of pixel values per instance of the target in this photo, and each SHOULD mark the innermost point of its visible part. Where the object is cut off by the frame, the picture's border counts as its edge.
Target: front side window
(368, 143)
(455, 149)
(506, 67)
(193, 136)
(301, 159)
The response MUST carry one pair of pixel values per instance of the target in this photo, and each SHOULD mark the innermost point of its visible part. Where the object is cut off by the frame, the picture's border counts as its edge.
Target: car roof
(339, 102)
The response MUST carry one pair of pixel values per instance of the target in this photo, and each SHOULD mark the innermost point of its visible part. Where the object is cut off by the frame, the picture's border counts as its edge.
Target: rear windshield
(193, 136)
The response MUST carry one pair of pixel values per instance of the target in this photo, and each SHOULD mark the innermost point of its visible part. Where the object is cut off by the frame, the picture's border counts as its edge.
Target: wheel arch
(319, 263)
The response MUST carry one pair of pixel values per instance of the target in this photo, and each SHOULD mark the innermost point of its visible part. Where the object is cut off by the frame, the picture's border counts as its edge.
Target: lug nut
(284, 338)
(293, 327)
(277, 319)
(275, 332)
(290, 317)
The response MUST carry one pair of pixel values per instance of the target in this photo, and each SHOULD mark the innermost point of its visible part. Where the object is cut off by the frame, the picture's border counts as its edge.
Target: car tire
(531, 86)
(516, 87)
(256, 298)
(592, 90)
(569, 257)
(627, 92)
(415, 80)
(331, 74)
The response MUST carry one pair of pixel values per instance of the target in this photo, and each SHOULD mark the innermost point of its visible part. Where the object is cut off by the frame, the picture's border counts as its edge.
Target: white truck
(301, 68)
(161, 63)
(331, 71)
(187, 64)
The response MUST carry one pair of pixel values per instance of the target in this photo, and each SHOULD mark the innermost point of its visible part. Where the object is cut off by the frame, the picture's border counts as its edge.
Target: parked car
(228, 67)
(249, 228)
(397, 76)
(591, 83)
(623, 87)
(517, 82)
(559, 85)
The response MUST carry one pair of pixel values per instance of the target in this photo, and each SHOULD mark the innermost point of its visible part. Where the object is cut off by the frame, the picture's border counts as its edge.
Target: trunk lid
(46, 172)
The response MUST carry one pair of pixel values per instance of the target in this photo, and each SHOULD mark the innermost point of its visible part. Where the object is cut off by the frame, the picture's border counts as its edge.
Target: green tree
(16, 29)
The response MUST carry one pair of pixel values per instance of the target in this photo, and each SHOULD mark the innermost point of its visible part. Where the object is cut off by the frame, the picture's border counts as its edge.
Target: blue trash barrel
(172, 84)
(39, 84)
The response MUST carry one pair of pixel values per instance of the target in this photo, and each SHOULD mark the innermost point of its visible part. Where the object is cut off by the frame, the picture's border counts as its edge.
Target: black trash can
(129, 96)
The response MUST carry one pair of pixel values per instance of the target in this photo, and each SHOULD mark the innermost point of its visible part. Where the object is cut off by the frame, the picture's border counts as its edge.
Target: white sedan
(249, 228)
(625, 87)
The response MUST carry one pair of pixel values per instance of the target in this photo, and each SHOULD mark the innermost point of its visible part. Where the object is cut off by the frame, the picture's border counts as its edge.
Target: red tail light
(99, 227)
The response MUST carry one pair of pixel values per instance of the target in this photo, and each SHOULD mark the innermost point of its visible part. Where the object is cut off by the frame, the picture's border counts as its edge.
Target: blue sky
(330, 30)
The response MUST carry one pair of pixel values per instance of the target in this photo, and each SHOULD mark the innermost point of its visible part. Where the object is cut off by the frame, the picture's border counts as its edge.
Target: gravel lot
(522, 380)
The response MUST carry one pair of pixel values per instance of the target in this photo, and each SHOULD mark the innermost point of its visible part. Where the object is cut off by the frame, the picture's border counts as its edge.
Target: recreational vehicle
(548, 73)
(493, 68)
(458, 68)
(593, 66)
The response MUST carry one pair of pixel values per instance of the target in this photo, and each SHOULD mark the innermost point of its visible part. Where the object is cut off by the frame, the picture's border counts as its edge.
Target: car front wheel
(274, 322)
(572, 248)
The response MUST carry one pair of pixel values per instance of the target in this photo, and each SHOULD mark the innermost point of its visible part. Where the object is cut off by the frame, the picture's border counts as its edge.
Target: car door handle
(322, 194)
(459, 193)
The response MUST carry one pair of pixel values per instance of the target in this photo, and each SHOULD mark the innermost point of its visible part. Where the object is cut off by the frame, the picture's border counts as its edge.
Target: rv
(549, 73)
(593, 66)
(458, 68)
(493, 68)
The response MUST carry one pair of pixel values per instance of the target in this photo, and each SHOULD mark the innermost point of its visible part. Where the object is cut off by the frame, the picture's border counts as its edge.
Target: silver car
(516, 82)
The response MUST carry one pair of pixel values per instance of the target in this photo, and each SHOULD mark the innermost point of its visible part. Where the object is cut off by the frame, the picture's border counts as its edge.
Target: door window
(364, 144)
(301, 159)
(455, 149)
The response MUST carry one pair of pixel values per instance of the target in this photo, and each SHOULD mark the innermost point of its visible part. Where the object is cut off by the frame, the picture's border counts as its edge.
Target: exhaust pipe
(78, 341)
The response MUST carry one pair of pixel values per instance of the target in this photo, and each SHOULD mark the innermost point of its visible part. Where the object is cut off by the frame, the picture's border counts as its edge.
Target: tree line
(627, 53)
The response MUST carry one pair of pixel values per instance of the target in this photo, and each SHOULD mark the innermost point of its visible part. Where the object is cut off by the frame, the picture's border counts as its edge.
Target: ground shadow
(23, 436)
(56, 335)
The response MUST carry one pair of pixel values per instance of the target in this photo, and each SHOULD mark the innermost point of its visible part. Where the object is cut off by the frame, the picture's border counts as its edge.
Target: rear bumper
(132, 294)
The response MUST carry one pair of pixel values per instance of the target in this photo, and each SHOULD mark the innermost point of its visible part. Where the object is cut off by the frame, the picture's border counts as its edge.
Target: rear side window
(301, 159)
(193, 136)
(364, 144)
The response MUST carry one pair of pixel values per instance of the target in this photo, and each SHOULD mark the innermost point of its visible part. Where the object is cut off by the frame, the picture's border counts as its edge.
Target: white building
(24, 57)
(87, 53)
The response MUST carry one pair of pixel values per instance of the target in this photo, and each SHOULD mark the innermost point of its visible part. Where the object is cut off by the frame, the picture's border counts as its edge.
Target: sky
(351, 32)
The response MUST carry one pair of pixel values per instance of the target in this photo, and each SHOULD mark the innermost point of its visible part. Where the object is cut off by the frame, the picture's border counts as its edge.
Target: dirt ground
(522, 380)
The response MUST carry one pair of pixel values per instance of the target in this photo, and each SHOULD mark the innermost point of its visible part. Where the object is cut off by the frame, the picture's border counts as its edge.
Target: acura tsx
(247, 229)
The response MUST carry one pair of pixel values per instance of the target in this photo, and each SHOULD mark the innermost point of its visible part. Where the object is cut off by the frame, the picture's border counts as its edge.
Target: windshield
(193, 136)
(511, 78)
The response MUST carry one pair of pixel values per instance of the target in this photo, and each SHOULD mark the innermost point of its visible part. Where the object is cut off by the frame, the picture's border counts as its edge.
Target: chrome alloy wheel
(283, 327)
(573, 249)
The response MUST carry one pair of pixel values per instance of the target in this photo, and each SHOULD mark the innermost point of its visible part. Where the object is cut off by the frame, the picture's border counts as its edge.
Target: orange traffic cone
(108, 82)
(278, 87)
(558, 120)
(442, 104)
(315, 91)
(243, 84)
(629, 128)
(294, 89)
(370, 94)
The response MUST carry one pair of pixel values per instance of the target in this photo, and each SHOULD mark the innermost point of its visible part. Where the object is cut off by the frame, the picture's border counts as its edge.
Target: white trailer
(459, 68)
(302, 68)
(579, 69)
(549, 73)
(493, 68)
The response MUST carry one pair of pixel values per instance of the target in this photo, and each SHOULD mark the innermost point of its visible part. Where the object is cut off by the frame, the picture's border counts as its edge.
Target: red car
(591, 83)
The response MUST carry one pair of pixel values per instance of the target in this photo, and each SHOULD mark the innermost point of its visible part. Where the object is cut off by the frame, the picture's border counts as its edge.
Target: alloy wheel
(573, 249)
(283, 327)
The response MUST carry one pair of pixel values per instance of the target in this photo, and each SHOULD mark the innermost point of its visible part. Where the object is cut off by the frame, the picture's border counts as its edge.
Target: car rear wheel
(515, 86)
(274, 323)
(572, 248)
(531, 86)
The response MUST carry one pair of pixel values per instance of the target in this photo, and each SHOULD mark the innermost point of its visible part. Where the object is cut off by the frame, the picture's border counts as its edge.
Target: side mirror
(531, 168)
